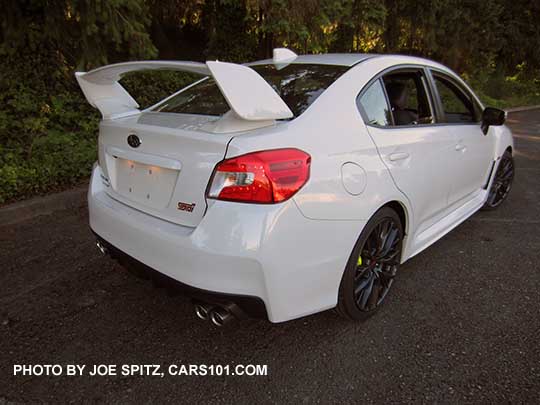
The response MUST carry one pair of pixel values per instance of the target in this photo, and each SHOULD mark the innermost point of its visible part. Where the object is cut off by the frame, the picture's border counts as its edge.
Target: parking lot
(462, 323)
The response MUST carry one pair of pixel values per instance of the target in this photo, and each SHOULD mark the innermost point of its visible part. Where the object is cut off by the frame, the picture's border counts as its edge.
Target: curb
(28, 209)
(525, 108)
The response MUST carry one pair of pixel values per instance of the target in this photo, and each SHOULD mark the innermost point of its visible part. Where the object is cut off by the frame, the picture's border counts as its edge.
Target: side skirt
(446, 224)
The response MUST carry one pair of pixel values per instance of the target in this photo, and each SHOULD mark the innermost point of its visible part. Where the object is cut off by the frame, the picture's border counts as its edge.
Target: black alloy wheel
(372, 267)
(502, 182)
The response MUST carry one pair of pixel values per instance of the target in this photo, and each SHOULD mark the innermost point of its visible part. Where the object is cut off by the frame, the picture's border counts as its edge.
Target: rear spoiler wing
(246, 92)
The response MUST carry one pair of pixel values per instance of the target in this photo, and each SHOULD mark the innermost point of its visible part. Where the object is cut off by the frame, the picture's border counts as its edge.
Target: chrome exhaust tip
(203, 311)
(102, 248)
(220, 317)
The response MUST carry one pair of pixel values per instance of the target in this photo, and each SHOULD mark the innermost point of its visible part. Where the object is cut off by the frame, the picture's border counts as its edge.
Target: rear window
(298, 85)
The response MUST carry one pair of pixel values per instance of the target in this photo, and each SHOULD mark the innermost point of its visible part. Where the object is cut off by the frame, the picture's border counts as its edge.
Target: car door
(473, 151)
(416, 152)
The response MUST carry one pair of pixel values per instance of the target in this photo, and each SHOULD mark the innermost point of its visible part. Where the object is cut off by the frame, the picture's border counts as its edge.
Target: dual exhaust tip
(218, 316)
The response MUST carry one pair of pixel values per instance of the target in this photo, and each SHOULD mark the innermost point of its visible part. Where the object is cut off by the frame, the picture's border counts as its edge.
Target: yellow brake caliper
(359, 262)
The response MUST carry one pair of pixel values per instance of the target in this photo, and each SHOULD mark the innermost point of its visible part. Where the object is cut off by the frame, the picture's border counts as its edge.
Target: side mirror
(492, 116)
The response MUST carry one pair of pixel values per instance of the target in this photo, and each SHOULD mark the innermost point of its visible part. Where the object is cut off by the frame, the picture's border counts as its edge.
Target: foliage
(150, 87)
(48, 131)
(504, 92)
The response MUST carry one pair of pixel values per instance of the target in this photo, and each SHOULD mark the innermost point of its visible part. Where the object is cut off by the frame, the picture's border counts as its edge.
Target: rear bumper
(266, 252)
(243, 305)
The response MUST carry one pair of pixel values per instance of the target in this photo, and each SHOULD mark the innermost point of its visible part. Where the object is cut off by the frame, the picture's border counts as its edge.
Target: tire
(502, 182)
(364, 265)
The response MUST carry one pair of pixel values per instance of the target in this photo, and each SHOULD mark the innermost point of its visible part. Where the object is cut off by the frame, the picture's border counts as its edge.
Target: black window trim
(428, 88)
(381, 83)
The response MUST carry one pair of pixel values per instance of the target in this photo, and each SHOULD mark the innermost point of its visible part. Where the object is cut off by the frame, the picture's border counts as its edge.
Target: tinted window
(457, 106)
(202, 98)
(408, 98)
(298, 85)
(373, 103)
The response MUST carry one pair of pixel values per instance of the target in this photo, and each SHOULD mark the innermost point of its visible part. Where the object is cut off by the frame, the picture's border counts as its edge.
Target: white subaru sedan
(293, 185)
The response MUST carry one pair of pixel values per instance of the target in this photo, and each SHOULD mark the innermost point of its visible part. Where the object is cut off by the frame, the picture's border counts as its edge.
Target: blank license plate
(148, 185)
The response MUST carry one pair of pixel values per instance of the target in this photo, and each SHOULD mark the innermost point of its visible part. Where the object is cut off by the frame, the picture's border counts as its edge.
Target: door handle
(460, 147)
(398, 156)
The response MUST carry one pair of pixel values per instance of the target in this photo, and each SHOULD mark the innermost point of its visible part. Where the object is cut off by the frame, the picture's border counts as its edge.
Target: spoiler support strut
(247, 93)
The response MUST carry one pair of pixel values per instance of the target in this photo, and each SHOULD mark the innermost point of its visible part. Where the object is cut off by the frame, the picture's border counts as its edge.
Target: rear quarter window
(374, 105)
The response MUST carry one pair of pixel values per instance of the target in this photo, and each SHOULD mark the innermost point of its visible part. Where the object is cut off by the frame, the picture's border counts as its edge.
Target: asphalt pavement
(462, 323)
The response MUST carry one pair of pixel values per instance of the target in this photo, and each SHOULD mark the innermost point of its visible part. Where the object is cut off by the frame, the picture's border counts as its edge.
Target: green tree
(520, 39)
(47, 130)
(360, 26)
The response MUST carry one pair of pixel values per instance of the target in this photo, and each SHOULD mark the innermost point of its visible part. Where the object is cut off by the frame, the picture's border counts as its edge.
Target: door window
(408, 98)
(458, 107)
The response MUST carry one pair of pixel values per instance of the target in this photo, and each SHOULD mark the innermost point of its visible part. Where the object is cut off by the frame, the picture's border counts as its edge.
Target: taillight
(265, 177)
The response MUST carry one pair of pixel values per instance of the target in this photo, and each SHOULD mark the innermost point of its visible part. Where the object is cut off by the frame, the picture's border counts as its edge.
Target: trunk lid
(161, 163)
(166, 175)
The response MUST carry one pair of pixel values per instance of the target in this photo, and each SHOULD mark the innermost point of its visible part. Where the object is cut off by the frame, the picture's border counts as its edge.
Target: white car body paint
(292, 254)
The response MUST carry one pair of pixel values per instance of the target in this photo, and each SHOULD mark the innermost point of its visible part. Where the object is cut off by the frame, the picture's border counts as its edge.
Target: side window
(373, 103)
(457, 106)
(408, 97)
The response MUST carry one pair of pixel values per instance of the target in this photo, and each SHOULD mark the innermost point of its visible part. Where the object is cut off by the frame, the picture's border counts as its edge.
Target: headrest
(398, 94)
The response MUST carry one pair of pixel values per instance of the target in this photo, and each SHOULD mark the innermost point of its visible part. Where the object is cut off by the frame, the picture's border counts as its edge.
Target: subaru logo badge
(133, 141)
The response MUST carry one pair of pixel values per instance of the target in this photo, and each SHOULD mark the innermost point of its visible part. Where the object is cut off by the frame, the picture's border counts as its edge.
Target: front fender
(503, 139)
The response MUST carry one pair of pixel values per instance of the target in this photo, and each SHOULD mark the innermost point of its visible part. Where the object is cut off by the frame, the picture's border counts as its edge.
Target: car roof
(339, 59)
(348, 59)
